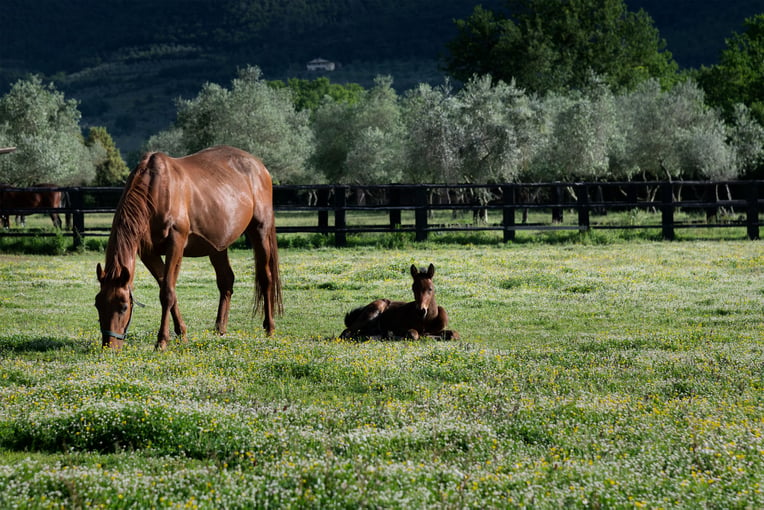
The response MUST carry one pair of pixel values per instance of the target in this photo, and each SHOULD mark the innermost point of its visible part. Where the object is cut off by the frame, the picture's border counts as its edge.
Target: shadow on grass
(20, 344)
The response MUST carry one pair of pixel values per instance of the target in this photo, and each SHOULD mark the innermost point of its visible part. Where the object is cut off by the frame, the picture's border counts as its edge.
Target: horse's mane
(131, 219)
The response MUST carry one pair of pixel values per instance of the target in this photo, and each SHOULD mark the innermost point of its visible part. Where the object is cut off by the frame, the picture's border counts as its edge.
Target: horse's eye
(123, 308)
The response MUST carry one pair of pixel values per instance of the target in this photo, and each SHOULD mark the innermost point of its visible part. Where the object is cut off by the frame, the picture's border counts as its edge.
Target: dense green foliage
(547, 45)
(739, 76)
(112, 169)
(308, 94)
(626, 375)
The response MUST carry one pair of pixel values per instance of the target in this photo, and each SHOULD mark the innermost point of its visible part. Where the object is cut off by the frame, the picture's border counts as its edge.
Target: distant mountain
(126, 61)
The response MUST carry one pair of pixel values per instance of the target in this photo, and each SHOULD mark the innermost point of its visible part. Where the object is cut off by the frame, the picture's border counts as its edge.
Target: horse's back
(214, 175)
(214, 195)
(225, 158)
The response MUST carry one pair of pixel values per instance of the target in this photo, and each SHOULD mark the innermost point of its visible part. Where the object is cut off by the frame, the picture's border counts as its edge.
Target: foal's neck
(432, 310)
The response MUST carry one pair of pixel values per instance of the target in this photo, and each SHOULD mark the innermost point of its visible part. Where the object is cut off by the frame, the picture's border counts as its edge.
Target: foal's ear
(414, 271)
(99, 272)
(430, 271)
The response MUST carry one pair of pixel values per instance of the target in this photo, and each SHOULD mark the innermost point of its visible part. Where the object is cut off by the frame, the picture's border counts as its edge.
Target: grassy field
(593, 376)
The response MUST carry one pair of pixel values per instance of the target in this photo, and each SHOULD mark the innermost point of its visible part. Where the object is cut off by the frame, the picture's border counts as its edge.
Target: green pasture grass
(617, 375)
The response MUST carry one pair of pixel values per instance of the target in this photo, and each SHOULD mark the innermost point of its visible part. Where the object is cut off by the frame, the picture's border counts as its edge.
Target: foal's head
(424, 290)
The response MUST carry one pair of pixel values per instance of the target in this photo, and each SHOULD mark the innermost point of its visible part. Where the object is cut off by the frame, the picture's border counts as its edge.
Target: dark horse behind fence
(416, 319)
(195, 206)
(40, 196)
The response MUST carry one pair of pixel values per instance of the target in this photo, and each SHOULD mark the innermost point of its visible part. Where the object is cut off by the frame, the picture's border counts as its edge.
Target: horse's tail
(273, 267)
(278, 304)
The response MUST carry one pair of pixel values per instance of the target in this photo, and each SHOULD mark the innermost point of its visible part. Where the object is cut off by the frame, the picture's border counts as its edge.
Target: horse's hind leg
(364, 321)
(259, 237)
(225, 280)
(56, 220)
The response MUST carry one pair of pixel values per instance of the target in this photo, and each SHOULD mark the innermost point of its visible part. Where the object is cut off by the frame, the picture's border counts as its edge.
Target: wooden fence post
(752, 211)
(395, 201)
(508, 211)
(340, 202)
(420, 213)
(583, 207)
(557, 210)
(77, 204)
(322, 202)
(667, 210)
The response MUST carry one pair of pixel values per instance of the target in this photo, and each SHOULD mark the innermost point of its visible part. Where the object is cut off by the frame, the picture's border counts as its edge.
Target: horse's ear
(124, 277)
(430, 271)
(414, 271)
(99, 272)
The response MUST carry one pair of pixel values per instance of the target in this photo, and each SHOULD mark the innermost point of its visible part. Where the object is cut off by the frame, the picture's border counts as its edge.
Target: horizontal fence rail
(510, 201)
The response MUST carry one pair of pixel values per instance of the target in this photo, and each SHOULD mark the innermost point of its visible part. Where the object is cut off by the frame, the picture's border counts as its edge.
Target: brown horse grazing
(383, 318)
(195, 206)
(32, 199)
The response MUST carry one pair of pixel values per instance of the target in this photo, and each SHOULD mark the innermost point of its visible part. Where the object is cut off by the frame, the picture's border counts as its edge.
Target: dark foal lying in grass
(413, 320)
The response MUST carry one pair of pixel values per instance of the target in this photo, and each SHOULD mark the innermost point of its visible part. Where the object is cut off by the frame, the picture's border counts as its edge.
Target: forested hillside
(50, 36)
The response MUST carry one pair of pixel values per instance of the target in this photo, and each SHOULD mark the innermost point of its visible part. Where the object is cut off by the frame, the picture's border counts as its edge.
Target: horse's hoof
(450, 335)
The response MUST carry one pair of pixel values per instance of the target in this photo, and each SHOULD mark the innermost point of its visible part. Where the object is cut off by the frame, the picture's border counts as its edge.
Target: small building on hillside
(320, 64)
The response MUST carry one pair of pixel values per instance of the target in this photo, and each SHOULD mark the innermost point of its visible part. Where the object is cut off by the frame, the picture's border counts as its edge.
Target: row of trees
(486, 131)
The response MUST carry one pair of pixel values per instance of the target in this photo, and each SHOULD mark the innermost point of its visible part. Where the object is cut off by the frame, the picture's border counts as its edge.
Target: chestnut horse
(195, 206)
(383, 318)
(40, 198)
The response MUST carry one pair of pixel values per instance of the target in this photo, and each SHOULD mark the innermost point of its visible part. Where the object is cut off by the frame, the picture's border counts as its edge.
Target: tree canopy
(739, 76)
(250, 115)
(552, 45)
(44, 126)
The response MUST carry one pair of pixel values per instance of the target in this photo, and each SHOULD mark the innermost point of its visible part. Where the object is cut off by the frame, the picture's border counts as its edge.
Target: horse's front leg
(436, 327)
(166, 275)
(156, 267)
(225, 279)
(169, 298)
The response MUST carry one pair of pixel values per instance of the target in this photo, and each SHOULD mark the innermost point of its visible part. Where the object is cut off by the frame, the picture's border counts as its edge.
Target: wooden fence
(329, 205)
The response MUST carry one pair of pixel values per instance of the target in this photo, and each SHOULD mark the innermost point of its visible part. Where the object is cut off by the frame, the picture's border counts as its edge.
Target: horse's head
(424, 290)
(115, 306)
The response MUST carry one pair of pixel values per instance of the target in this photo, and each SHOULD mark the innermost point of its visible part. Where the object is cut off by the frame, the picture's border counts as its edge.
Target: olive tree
(44, 127)
(498, 125)
(672, 135)
(580, 136)
(361, 142)
(433, 150)
(746, 136)
(252, 116)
